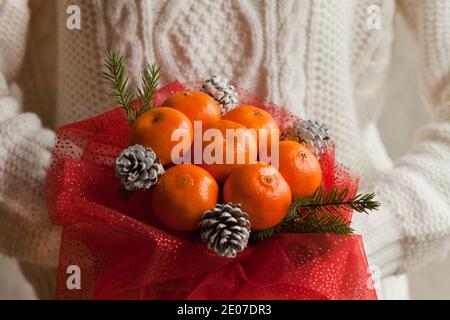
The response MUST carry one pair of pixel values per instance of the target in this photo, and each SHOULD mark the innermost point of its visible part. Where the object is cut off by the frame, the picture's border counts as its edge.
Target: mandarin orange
(255, 118)
(197, 106)
(238, 148)
(300, 167)
(262, 192)
(154, 129)
(182, 195)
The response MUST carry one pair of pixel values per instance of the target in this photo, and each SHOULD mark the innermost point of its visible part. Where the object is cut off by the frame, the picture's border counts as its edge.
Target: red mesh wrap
(124, 253)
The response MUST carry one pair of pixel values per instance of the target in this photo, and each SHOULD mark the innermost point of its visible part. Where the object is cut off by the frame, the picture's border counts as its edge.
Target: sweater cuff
(383, 236)
(25, 229)
(383, 244)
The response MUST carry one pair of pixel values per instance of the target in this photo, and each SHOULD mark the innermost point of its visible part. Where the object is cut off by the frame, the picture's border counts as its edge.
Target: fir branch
(322, 213)
(122, 90)
(315, 222)
(149, 85)
(263, 235)
(335, 225)
(334, 201)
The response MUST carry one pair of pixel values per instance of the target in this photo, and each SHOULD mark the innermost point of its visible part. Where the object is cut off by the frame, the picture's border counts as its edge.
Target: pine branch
(334, 201)
(263, 235)
(322, 213)
(316, 222)
(122, 90)
(150, 83)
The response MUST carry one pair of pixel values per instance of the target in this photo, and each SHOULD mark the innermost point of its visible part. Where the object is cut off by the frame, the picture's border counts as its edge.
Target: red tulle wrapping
(124, 253)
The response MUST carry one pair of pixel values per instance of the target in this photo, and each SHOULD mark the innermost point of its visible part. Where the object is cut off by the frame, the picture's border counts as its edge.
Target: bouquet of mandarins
(203, 191)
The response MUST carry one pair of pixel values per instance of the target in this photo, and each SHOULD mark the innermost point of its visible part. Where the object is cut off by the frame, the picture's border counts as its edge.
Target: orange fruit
(262, 192)
(197, 106)
(182, 195)
(154, 129)
(300, 167)
(255, 118)
(243, 146)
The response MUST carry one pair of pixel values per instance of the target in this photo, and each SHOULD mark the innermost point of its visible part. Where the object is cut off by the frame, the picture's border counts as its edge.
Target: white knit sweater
(316, 57)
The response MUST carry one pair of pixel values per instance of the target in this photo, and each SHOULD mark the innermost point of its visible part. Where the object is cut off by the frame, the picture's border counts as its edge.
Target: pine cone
(226, 229)
(138, 168)
(222, 91)
(313, 134)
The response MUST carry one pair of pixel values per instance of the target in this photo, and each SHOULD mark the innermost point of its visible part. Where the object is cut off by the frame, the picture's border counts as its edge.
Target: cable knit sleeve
(413, 226)
(25, 231)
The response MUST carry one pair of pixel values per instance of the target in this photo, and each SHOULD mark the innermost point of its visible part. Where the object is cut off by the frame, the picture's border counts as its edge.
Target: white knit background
(404, 103)
(432, 282)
